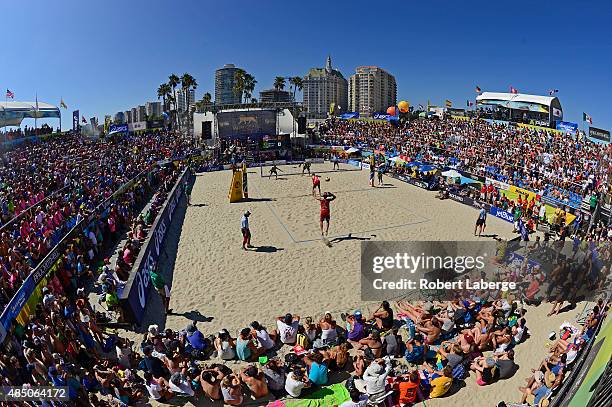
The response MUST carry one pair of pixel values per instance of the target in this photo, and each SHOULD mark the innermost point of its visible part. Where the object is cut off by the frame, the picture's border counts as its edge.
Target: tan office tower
(323, 87)
(371, 90)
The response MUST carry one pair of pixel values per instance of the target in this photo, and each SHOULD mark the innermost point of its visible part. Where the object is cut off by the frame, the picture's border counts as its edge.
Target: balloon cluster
(403, 107)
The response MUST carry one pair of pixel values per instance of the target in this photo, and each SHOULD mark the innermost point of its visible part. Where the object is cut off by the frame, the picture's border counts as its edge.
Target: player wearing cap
(246, 231)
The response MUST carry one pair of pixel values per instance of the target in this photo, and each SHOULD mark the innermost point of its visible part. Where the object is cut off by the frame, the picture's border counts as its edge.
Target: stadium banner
(134, 296)
(75, 120)
(453, 111)
(349, 115)
(429, 185)
(522, 191)
(567, 127)
(118, 128)
(383, 116)
(599, 134)
(502, 214)
(497, 184)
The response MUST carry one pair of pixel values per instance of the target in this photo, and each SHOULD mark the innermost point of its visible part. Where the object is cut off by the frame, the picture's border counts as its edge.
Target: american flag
(10, 94)
(513, 90)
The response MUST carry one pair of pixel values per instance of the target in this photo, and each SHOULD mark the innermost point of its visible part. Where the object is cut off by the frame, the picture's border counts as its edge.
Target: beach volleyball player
(316, 184)
(325, 199)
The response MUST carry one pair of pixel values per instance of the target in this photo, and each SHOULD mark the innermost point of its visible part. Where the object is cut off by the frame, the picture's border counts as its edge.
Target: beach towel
(333, 395)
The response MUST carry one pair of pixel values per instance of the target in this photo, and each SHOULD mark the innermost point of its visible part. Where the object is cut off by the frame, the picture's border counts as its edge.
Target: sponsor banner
(466, 200)
(502, 214)
(541, 123)
(75, 120)
(522, 191)
(350, 115)
(134, 295)
(383, 116)
(599, 134)
(429, 185)
(567, 127)
(118, 128)
(497, 184)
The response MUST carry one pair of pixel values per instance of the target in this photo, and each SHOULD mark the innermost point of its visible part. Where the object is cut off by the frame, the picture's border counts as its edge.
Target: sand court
(290, 270)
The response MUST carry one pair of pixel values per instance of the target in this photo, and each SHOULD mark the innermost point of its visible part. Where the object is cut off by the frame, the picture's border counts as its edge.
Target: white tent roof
(12, 113)
(516, 97)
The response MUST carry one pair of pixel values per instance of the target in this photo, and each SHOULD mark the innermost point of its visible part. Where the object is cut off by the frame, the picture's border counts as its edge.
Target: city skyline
(447, 62)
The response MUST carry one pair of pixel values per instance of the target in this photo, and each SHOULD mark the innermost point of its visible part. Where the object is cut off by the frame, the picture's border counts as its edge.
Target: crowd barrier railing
(133, 297)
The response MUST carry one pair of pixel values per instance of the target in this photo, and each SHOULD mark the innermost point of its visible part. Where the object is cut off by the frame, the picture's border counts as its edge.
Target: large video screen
(246, 124)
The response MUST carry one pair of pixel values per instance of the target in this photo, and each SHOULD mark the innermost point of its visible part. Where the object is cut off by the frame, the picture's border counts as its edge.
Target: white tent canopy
(451, 174)
(13, 113)
(352, 150)
(521, 101)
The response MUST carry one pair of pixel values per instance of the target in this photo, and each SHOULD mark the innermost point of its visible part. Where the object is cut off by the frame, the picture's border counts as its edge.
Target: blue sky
(105, 56)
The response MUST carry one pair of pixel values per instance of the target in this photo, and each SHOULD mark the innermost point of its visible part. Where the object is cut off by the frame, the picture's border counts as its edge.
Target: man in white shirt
(287, 328)
(295, 382)
(246, 231)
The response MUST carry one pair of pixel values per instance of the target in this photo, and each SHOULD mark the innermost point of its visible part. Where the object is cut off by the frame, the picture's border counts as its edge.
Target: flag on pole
(83, 119)
(478, 89)
(513, 90)
(421, 107)
(553, 91)
(10, 94)
(448, 103)
(587, 118)
(470, 103)
(62, 104)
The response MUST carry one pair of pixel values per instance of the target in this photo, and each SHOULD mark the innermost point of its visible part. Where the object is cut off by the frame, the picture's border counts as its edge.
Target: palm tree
(173, 82)
(279, 83)
(204, 104)
(164, 91)
(249, 86)
(188, 82)
(239, 82)
(296, 84)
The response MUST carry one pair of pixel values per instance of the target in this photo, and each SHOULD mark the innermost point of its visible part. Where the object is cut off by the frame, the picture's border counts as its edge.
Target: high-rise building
(119, 118)
(154, 109)
(273, 95)
(322, 87)
(128, 116)
(141, 114)
(184, 98)
(224, 85)
(134, 111)
(371, 90)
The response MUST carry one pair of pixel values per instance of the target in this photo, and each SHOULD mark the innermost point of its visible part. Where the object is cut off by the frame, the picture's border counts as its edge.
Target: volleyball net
(316, 165)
